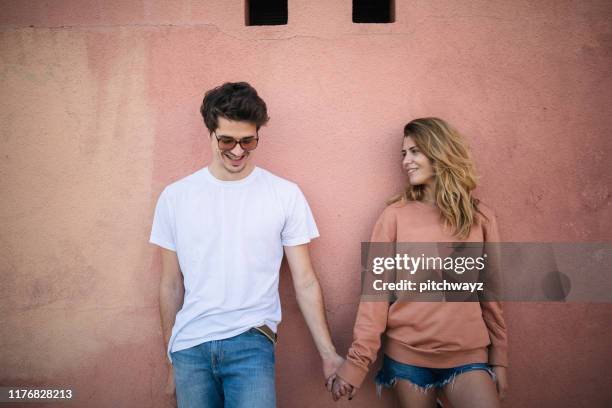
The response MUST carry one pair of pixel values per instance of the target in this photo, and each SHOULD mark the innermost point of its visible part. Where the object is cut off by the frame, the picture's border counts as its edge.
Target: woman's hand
(502, 381)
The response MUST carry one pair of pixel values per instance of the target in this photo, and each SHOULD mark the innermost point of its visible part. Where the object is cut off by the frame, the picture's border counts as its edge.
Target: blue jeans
(233, 373)
(423, 377)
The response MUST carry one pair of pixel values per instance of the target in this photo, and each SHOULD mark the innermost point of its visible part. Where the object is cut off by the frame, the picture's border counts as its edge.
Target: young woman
(460, 348)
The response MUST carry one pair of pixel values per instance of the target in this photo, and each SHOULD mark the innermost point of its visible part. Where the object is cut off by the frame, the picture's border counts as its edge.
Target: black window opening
(373, 11)
(266, 12)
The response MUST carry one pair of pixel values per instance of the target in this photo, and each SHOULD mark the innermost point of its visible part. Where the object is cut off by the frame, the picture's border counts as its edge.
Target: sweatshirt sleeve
(371, 319)
(492, 312)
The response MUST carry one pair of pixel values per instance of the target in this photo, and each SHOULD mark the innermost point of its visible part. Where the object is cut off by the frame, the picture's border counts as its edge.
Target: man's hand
(331, 363)
(170, 390)
(340, 388)
(502, 381)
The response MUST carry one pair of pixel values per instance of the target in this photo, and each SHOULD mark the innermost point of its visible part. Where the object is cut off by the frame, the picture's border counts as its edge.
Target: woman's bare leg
(473, 389)
(410, 396)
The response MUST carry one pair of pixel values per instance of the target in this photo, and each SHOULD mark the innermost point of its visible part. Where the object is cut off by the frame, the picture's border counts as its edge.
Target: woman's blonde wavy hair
(454, 171)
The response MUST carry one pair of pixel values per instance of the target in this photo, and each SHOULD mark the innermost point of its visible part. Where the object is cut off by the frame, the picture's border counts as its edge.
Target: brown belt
(266, 331)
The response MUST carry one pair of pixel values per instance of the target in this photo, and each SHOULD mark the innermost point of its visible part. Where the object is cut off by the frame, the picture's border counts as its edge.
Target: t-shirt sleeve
(163, 230)
(300, 227)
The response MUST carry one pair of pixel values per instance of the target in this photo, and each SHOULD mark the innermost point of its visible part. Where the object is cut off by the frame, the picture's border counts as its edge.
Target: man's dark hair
(237, 101)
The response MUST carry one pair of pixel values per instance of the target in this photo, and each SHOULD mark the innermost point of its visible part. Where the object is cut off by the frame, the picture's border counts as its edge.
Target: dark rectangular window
(266, 12)
(373, 11)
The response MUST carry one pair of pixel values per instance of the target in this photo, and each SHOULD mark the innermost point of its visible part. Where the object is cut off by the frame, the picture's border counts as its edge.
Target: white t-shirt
(229, 238)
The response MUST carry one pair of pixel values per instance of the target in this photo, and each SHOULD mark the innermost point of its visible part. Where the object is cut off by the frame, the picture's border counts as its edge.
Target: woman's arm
(370, 325)
(371, 319)
(492, 311)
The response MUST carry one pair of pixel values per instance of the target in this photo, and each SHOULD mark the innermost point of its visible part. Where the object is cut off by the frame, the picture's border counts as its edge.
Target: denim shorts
(423, 377)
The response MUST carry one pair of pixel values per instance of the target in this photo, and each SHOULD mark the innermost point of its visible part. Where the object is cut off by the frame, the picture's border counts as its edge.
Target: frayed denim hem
(390, 383)
(381, 381)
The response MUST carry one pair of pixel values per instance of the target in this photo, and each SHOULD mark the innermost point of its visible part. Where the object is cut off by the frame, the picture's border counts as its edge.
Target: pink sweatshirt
(426, 334)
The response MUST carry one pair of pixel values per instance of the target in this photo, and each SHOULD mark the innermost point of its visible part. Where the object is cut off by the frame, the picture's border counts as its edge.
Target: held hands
(334, 384)
(340, 388)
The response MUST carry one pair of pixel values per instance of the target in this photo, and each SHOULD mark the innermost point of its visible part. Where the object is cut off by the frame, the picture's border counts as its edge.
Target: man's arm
(310, 301)
(171, 294)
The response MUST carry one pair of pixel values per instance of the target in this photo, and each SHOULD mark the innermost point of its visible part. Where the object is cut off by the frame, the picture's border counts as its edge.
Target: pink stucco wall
(99, 111)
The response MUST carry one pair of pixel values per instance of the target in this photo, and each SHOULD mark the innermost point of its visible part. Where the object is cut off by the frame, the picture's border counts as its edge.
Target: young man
(222, 231)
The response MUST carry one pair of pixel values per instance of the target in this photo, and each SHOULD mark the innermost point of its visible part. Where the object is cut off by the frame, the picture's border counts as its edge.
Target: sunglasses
(228, 143)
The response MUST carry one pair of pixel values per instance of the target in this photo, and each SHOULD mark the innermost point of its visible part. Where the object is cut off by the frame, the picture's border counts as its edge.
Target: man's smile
(236, 160)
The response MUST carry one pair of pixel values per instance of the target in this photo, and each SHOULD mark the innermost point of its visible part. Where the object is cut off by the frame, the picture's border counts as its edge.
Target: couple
(223, 231)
